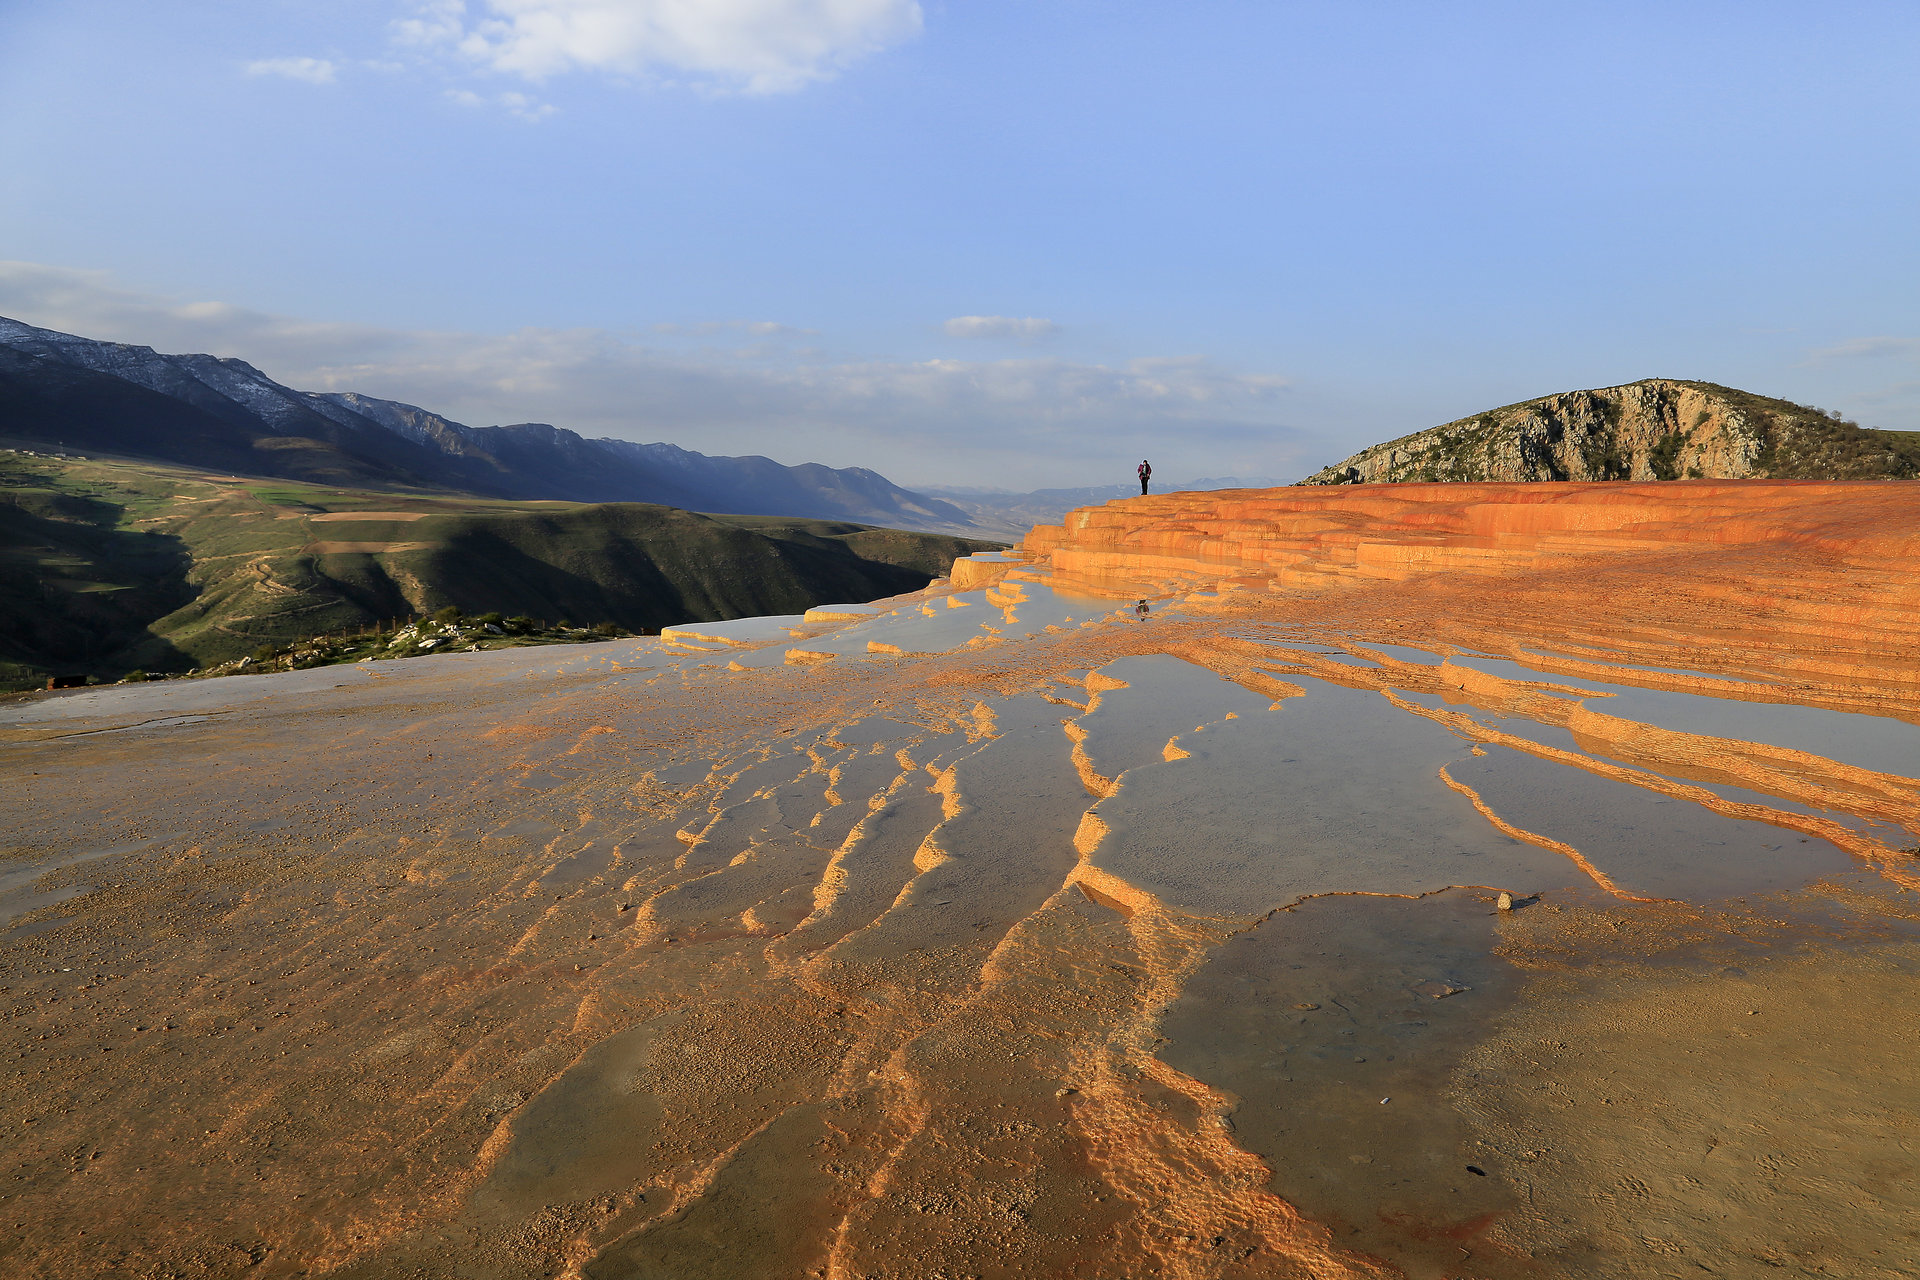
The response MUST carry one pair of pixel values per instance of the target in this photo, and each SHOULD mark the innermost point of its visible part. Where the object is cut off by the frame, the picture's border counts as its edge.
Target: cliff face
(1657, 429)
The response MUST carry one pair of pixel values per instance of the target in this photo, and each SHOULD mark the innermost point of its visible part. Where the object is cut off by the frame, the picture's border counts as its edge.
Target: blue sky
(1013, 244)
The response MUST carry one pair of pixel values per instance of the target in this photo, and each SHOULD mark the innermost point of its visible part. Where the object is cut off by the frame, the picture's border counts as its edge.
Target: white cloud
(1868, 348)
(1900, 395)
(1010, 423)
(435, 22)
(514, 104)
(1023, 328)
(754, 46)
(311, 70)
(91, 304)
(753, 328)
(525, 108)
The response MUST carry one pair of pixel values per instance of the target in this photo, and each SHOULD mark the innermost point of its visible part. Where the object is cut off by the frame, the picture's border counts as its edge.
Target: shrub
(448, 616)
(605, 629)
(521, 622)
(489, 619)
(1602, 456)
(1664, 457)
(265, 653)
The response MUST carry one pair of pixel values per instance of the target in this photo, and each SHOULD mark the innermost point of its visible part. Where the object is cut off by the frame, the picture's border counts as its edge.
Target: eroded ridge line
(1811, 824)
(1534, 838)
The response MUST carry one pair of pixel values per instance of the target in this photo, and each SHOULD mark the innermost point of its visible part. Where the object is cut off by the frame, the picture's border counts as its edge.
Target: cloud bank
(1020, 328)
(1015, 423)
(751, 46)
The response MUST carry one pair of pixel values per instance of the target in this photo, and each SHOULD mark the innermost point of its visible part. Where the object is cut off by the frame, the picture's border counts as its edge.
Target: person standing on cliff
(1145, 471)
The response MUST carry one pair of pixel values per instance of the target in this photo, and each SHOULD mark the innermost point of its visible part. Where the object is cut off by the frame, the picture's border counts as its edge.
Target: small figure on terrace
(1141, 610)
(1145, 470)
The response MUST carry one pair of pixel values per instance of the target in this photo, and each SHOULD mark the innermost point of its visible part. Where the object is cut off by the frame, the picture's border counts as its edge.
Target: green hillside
(110, 567)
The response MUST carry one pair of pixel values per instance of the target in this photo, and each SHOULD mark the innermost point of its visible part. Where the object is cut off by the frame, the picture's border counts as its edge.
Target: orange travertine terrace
(1313, 537)
(1505, 881)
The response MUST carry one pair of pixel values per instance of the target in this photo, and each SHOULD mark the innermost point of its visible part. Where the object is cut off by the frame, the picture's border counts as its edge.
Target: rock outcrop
(1657, 429)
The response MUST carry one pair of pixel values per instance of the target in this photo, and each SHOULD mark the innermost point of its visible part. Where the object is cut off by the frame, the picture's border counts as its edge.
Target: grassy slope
(1805, 444)
(116, 566)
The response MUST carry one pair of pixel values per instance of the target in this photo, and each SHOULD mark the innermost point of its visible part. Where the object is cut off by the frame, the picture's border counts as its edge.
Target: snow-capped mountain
(65, 391)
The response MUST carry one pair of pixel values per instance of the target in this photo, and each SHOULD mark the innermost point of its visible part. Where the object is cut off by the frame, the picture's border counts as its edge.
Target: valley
(116, 566)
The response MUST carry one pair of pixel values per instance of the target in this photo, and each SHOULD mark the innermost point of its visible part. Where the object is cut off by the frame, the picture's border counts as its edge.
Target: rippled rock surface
(997, 930)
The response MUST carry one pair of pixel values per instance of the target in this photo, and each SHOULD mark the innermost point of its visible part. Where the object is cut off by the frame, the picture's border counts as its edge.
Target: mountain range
(1015, 513)
(66, 392)
(60, 391)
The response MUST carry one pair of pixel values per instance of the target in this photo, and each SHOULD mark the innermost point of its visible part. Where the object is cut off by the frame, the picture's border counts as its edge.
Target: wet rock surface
(1021, 937)
(1346, 1096)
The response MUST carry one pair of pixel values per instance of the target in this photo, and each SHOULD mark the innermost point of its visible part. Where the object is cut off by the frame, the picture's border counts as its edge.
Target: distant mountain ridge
(66, 391)
(1016, 513)
(1655, 429)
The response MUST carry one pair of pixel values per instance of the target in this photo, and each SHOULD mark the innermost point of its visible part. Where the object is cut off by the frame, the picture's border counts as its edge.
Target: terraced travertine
(1008, 934)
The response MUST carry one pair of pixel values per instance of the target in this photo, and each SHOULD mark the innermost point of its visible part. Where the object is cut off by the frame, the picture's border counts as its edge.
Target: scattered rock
(1306, 1006)
(1505, 902)
(1439, 989)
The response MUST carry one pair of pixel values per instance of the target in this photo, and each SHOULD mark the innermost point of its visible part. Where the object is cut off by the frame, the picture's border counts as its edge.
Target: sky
(990, 244)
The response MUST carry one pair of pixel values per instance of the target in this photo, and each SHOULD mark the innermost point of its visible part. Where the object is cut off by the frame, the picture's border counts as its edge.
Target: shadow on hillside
(629, 565)
(79, 596)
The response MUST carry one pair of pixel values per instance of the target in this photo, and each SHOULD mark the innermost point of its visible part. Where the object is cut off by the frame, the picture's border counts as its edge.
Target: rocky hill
(1656, 429)
(66, 393)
